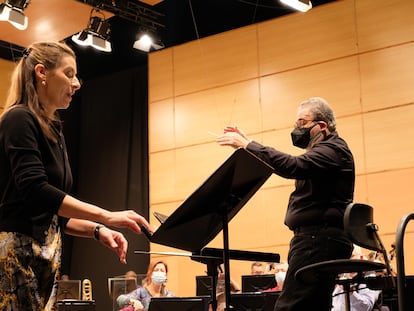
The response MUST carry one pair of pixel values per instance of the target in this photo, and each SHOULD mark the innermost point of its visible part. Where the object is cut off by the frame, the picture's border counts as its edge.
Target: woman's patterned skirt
(29, 270)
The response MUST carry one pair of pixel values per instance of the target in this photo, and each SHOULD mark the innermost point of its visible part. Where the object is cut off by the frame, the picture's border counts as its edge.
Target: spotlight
(96, 35)
(300, 5)
(12, 11)
(147, 42)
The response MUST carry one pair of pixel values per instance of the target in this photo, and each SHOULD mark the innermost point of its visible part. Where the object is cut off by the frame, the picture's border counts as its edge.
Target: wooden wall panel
(276, 201)
(335, 81)
(361, 189)
(387, 77)
(243, 231)
(392, 196)
(6, 69)
(384, 23)
(160, 77)
(162, 176)
(200, 114)
(161, 126)
(195, 164)
(352, 130)
(388, 139)
(293, 41)
(215, 61)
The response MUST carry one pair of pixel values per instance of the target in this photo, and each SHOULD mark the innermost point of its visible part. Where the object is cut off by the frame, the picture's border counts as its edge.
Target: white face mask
(280, 277)
(159, 277)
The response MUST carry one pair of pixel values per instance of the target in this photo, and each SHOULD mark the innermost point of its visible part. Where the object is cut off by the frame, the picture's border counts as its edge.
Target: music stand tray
(69, 290)
(199, 218)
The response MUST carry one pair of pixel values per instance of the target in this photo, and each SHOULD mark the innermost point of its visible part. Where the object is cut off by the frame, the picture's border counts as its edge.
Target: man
(256, 268)
(325, 177)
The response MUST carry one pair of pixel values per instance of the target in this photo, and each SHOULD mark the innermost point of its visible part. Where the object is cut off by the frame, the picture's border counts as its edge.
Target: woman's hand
(136, 304)
(74, 208)
(114, 240)
(127, 219)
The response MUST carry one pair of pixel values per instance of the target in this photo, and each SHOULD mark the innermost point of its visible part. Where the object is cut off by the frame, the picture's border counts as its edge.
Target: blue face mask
(159, 277)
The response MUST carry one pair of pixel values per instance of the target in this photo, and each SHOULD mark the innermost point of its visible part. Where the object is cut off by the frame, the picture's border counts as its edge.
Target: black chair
(404, 284)
(361, 230)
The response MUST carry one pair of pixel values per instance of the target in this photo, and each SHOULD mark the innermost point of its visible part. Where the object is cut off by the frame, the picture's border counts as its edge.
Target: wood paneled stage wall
(358, 54)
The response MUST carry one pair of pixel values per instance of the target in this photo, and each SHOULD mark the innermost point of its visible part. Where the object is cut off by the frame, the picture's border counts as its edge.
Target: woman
(154, 286)
(35, 179)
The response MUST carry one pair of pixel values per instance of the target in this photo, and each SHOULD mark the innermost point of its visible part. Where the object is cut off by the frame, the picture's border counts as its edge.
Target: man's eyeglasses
(302, 122)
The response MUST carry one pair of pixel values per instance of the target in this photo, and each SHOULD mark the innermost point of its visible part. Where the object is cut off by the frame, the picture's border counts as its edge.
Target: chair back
(360, 227)
(362, 231)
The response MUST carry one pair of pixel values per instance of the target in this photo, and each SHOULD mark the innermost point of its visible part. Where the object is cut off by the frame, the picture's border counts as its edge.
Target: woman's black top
(35, 174)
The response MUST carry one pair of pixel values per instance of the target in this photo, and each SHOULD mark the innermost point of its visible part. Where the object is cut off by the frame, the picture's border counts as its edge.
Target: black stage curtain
(106, 130)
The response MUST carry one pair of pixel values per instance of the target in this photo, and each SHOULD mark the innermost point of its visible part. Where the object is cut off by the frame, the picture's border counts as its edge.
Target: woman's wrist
(96, 231)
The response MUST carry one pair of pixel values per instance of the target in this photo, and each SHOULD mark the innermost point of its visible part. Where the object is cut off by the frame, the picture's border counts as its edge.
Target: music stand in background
(254, 301)
(258, 283)
(179, 304)
(119, 286)
(209, 208)
(204, 285)
(69, 290)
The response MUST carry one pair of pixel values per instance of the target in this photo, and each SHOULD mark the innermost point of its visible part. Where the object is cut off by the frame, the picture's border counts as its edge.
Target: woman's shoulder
(19, 122)
(18, 114)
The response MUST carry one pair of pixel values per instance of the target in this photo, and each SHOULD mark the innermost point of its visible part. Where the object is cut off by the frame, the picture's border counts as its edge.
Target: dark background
(106, 131)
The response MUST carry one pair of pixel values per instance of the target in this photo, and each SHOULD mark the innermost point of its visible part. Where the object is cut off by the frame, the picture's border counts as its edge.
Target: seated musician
(257, 268)
(361, 297)
(220, 289)
(279, 269)
(153, 286)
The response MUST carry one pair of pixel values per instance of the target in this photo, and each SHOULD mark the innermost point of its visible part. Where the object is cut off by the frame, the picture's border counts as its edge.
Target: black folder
(200, 217)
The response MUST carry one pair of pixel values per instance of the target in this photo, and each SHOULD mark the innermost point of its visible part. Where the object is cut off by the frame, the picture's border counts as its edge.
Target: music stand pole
(226, 258)
(212, 270)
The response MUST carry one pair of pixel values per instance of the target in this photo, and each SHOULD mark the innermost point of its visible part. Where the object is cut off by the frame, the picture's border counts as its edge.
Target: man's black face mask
(301, 136)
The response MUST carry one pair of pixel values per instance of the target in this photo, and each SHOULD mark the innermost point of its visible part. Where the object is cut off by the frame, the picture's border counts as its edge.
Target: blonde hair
(23, 92)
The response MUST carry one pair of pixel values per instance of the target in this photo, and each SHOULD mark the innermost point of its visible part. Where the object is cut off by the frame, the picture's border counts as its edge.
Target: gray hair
(320, 111)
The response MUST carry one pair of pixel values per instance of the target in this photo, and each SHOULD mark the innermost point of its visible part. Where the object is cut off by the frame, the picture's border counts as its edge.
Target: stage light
(147, 42)
(300, 5)
(96, 34)
(12, 11)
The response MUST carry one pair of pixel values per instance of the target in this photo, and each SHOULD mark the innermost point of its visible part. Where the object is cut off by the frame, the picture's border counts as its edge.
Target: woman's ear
(40, 72)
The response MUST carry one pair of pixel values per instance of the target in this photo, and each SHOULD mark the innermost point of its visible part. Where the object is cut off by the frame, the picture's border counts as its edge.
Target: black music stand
(258, 282)
(208, 210)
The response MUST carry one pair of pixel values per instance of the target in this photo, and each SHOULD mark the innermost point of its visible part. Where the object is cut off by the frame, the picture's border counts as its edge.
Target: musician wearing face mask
(153, 286)
(325, 178)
